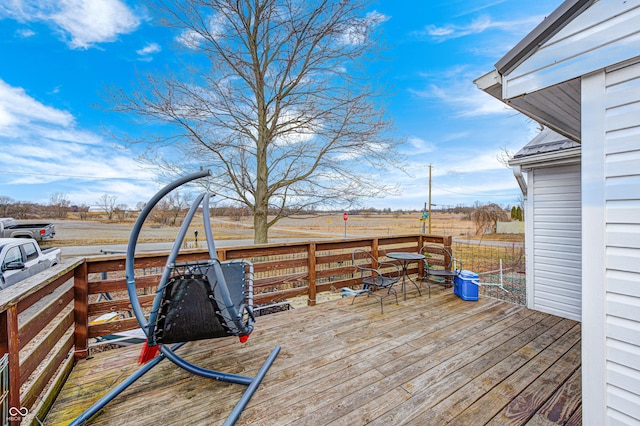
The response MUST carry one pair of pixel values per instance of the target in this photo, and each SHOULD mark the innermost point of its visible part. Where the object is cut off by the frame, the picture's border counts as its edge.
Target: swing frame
(241, 318)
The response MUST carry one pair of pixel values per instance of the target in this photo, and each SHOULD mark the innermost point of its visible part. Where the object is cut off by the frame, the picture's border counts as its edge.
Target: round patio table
(406, 258)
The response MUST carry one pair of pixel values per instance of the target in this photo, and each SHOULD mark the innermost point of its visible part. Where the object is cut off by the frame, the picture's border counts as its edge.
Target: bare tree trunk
(261, 206)
(260, 229)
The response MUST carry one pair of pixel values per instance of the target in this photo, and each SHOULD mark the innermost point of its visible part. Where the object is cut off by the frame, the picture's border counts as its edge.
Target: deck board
(425, 360)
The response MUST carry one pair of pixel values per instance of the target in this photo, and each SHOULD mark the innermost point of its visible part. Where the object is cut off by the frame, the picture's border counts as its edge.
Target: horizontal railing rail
(48, 320)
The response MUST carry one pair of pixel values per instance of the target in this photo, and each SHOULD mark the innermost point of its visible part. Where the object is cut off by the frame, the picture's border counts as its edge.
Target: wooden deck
(424, 361)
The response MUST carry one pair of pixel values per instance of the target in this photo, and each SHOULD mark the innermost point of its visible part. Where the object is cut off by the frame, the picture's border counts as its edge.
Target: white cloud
(358, 30)
(478, 25)
(15, 105)
(192, 39)
(42, 147)
(293, 132)
(473, 103)
(439, 32)
(455, 88)
(420, 146)
(469, 11)
(83, 22)
(460, 177)
(95, 21)
(479, 162)
(149, 49)
(25, 33)
(146, 53)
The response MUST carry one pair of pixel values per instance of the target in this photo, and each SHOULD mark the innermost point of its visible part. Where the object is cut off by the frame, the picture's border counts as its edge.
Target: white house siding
(611, 273)
(555, 275)
(602, 35)
(622, 218)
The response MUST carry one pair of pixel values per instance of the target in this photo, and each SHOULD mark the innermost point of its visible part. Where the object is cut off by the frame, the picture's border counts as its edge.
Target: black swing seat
(194, 301)
(193, 307)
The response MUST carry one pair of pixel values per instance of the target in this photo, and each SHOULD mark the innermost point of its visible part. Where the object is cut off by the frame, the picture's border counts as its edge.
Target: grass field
(75, 232)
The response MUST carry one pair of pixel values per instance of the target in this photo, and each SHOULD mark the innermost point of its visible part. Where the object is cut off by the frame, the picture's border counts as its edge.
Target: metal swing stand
(252, 383)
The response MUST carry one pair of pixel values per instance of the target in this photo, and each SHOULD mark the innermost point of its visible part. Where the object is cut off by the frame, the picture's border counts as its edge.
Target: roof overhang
(556, 106)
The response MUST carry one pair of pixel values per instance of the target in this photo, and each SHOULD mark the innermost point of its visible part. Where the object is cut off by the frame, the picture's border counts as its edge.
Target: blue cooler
(465, 285)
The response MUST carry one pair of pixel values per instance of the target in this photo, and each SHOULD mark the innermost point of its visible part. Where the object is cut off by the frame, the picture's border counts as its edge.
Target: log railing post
(311, 264)
(375, 248)
(81, 310)
(222, 254)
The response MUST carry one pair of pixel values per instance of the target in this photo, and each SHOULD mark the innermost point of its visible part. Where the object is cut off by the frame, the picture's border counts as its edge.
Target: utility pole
(430, 199)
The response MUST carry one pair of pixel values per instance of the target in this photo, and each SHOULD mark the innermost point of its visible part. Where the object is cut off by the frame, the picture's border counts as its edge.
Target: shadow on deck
(424, 361)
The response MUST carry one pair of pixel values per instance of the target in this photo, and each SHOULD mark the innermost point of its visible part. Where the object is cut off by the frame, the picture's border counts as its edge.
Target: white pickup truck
(21, 258)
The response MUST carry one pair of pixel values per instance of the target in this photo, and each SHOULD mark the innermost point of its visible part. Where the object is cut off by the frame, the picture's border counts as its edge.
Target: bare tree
(178, 203)
(121, 211)
(161, 212)
(108, 204)
(60, 204)
(504, 156)
(21, 209)
(486, 217)
(166, 212)
(83, 211)
(5, 204)
(282, 112)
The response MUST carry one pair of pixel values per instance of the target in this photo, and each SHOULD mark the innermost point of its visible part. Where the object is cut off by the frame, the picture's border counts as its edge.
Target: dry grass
(101, 232)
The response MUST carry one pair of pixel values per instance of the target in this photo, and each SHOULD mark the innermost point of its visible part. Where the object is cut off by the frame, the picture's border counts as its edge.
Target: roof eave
(540, 34)
(565, 156)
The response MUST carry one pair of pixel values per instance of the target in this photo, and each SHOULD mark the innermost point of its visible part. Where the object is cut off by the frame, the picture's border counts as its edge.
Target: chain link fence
(500, 265)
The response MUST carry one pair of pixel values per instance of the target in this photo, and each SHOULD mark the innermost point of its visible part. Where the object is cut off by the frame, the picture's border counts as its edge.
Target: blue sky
(59, 55)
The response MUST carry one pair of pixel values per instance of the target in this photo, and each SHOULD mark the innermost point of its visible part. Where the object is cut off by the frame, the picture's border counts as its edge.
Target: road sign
(425, 216)
(345, 215)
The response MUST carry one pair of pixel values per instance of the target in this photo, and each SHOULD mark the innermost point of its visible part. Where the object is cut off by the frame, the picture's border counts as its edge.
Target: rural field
(477, 253)
(76, 232)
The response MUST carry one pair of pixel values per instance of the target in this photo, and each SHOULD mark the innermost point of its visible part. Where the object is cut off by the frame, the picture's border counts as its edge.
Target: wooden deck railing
(45, 319)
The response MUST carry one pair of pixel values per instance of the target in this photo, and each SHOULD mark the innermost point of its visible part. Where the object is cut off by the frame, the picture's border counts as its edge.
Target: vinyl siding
(622, 233)
(557, 242)
(602, 35)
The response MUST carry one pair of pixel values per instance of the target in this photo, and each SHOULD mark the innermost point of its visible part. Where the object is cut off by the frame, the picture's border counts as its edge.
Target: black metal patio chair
(439, 265)
(375, 276)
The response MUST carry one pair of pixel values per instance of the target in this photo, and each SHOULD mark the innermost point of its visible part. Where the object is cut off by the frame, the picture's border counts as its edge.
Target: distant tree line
(60, 206)
(517, 213)
(170, 210)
